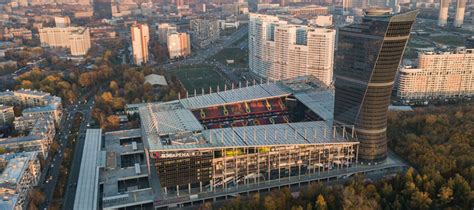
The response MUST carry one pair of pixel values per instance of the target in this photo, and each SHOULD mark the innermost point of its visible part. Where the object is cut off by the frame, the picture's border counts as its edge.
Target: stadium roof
(172, 125)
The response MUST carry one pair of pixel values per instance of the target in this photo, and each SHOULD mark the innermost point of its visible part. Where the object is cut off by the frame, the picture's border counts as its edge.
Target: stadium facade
(243, 136)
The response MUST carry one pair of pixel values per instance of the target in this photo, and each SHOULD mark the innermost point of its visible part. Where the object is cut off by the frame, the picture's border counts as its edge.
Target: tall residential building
(77, 39)
(165, 29)
(280, 50)
(20, 175)
(140, 38)
(62, 22)
(460, 9)
(179, 45)
(367, 59)
(443, 13)
(438, 75)
(205, 32)
(103, 9)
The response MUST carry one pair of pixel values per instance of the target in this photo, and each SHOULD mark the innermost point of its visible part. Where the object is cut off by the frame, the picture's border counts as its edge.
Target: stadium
(245, 136)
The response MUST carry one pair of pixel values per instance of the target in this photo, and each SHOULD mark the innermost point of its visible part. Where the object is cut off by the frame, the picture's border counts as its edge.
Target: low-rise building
(312, 10)
(20, 175)
(439, 75)
(36, 103)
(40, 136)
(7, 115)
(23, 33)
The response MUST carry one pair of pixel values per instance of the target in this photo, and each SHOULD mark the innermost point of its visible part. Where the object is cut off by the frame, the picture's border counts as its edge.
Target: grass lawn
(448, 40)
(239, 56)
(198, 77)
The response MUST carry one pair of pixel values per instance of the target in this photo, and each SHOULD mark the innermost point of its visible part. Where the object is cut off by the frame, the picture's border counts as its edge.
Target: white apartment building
(205, 32)
(62, 22)
(77, 39)
(165, 29)
(438, 75)
(7, 114)
(279, 50)
(36, 103)
(20, 175)
(179, 45)
(140, 39)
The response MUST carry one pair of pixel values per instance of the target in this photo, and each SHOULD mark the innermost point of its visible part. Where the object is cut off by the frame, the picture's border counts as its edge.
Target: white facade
(20, 175)
(165, 29)
(205, 32)
(62, 22)
(278, 50)
(460, 10)
(179, 45)
(438, 75)
(6, 114)
(140, 38)
(77, 39)
(322, 20)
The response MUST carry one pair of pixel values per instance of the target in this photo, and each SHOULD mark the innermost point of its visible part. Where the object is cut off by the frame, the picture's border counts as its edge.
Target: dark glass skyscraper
(367, 59)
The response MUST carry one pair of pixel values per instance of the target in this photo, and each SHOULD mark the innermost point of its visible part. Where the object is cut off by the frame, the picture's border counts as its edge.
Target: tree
(420, 200)
(26, 84)
(114, 120)
(320, 203)
(445, 195)
(107, 98)
(113, 85)
(269, 203)
(206, 206)
(36, 196)
(54, 147)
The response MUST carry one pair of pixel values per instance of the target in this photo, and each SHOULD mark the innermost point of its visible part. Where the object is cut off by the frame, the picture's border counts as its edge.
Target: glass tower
(367, 59)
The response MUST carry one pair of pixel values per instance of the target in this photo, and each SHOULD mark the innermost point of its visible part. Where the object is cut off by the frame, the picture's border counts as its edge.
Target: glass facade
(367, 60)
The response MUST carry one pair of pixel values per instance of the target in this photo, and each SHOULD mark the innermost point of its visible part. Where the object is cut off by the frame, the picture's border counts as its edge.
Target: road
(77, 158)
(50, 174)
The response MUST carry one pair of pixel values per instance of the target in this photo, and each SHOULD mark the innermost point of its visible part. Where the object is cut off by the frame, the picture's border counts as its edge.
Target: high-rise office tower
(443, 13)
(460, 9)
(280, 50)
(367, 60)
(103, 9)
(140, 38)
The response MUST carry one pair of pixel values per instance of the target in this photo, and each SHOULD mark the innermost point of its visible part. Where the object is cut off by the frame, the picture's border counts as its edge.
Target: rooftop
(17, 164)
(155, 79)
(88, 183)
(175, 124)
(113, 194)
